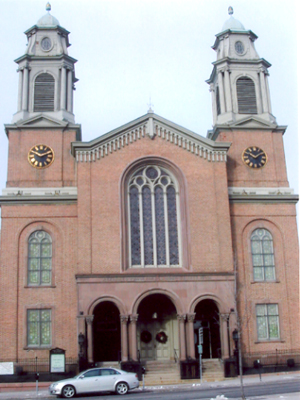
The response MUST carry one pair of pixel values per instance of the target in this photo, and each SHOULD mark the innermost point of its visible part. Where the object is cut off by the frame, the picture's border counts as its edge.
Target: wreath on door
(146, 337)
(161, 337)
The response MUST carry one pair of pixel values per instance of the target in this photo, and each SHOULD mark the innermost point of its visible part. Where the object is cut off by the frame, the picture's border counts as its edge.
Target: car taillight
(136, 376)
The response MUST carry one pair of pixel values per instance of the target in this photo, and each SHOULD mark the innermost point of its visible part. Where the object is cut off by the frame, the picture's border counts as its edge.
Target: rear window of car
(109, 371)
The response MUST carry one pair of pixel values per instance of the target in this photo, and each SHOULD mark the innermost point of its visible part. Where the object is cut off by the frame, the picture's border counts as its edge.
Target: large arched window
(246, 96)
(44, 93)
(153, 218)
(262, 255)
(39, 258)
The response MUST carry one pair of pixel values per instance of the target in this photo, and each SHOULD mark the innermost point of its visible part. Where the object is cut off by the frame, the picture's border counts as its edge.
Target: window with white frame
(39, 258)
(267, 320)
(153, 218)
(262, 255)
(39, 328)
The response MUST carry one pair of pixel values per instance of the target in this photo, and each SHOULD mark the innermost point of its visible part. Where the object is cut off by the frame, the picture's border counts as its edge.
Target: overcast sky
(130, 50)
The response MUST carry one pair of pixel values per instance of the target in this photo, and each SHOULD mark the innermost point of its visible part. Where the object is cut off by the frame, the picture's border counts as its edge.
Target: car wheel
(122, 388)
(68, 391)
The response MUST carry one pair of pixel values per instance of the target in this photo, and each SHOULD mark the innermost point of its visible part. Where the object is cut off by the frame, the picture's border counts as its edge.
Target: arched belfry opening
(106, 332)
(208, 317)
(157, 330)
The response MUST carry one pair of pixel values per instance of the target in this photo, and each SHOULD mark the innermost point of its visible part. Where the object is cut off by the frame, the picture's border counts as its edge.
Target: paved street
(273, 386)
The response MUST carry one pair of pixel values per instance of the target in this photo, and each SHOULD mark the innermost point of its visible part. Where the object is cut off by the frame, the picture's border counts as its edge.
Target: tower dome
(47, 20)
(232, 23)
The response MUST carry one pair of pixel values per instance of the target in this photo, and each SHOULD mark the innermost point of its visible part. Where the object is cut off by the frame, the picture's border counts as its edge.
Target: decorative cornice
(16, 196)
(147, 277)
(150, 125)
(262, 195)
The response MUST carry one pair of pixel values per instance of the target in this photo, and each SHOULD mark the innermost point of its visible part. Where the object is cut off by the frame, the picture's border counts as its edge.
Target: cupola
(46, 73)
(239, 80)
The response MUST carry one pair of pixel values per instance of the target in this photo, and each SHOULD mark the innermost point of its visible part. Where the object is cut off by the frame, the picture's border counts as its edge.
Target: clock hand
(262, 153)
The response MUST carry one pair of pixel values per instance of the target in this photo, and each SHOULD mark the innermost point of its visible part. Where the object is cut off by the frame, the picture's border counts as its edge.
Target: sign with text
(57, 360)
(6, 368)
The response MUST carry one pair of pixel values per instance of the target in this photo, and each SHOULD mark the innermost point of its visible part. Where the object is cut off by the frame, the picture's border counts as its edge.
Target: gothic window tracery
(262, 255)
(39, 258)
(153, 207)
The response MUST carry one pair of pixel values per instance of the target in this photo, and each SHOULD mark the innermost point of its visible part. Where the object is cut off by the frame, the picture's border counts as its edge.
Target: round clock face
(46, 44)
(254, 157)
(40, 156)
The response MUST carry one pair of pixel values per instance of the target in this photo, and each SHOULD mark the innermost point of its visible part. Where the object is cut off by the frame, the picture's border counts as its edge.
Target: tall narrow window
(267, 319)
(38, 328)
(262, 255)
(39, 258)
(246, 96)
(153, 207)
(44, 93)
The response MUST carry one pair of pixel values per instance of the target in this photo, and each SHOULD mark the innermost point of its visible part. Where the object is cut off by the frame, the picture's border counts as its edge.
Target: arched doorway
(106, 332)
(157, 329)
(207, 317)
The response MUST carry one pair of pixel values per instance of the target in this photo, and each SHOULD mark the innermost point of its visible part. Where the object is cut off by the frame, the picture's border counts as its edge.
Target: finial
(48, 7)
(150, 105)
(230, 10)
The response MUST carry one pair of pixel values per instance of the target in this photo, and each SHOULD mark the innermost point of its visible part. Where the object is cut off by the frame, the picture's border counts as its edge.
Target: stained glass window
(267, 319)
(262, 255)
(39, 258)
(38, 328)
(153, 216)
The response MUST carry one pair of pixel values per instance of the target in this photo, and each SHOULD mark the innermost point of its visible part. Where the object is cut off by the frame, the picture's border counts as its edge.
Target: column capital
(190, 317)
(134, 317)
(89, 319)
(124, 318)
(181, 317)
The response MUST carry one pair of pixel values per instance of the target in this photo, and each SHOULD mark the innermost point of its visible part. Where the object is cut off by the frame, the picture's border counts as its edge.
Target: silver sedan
(96, 380)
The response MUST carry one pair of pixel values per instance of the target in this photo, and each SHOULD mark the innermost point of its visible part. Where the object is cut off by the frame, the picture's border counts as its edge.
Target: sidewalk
(29, 394)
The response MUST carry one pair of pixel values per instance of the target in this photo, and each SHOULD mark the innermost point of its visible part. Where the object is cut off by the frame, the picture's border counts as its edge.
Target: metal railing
(42, 365)
(272, 359)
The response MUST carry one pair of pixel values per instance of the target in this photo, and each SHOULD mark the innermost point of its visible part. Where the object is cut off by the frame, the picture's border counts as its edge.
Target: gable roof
(153, 126)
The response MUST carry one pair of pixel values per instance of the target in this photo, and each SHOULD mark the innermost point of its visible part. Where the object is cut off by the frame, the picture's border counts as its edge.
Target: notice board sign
(57, 361)
(6, 368)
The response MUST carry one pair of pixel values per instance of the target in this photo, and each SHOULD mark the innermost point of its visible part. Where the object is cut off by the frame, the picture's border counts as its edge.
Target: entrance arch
(106, 332)
(208, 317)
(157, 329)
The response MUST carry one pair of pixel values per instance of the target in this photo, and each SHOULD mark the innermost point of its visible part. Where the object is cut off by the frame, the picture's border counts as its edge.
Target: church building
(130, 247)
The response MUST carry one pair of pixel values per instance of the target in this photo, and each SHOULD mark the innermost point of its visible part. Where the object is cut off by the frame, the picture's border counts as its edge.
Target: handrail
(176, 358)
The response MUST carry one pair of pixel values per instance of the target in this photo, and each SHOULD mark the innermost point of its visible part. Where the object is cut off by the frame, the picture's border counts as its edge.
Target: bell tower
(43, 127)
(239, 80)
(46, 73)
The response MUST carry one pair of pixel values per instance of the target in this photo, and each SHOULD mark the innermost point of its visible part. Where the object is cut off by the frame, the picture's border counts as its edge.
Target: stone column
(124, 337)
(182, 340)
(213, 99)
(228, 90)
(25, 89)
(20, 89)
(70, 91)
(89, 320)
(224, 319)
(221, 90)
(190, 336)
(133, 341)
(63, 87)
(263, 91)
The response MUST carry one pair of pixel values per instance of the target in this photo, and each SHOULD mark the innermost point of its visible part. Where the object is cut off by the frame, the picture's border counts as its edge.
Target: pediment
(254, 122)
(153, 127)
(42, 121)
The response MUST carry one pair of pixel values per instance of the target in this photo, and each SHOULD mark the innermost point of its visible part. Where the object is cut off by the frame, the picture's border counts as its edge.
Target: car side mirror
(81, 377)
